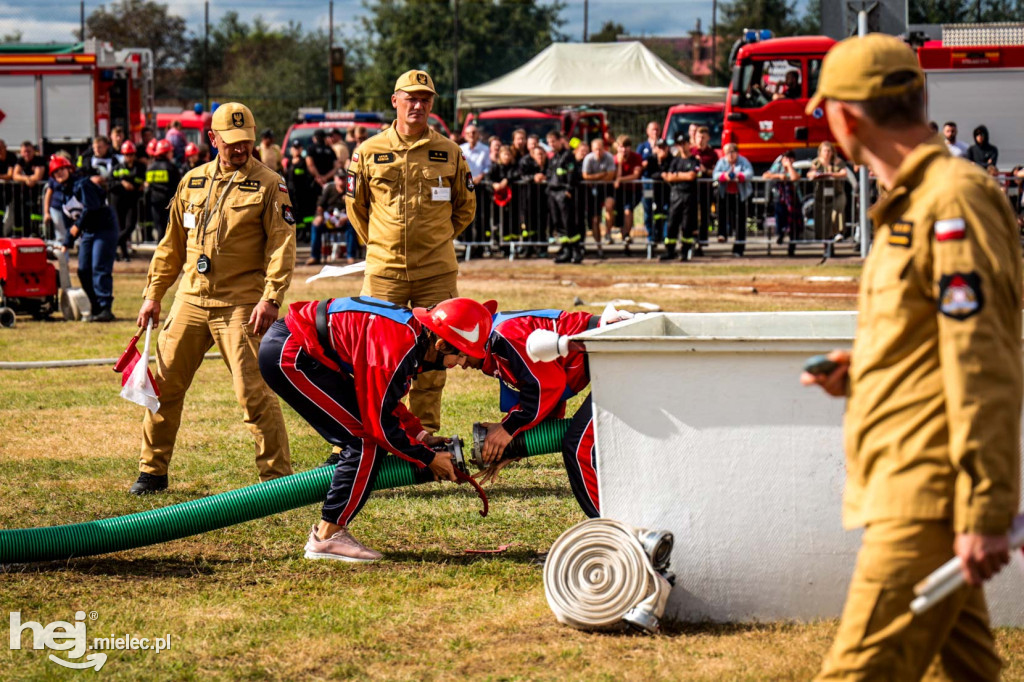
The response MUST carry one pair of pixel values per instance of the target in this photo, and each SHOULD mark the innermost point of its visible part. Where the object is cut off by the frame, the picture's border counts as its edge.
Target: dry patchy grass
(242, 603)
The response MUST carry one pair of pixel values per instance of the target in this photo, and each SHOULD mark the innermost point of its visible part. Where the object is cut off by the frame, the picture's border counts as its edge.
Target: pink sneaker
(340, 547)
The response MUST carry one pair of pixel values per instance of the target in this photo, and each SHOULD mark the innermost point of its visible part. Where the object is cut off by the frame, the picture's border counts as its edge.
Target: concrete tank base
(703, 429)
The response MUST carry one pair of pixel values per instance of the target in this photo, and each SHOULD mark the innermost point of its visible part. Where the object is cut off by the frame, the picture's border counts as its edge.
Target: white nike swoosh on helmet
(472, 336)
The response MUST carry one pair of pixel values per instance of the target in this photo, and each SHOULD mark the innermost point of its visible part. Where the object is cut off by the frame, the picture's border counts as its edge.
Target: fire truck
(60, 96)
(575, 124)
(971, 77)
(772, 80)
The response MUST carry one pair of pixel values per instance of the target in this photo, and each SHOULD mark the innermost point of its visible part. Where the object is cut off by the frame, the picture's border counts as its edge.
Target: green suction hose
(193, 517)
(543, 439)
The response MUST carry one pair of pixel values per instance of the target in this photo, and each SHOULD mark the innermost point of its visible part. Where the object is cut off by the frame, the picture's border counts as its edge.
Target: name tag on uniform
(189, 220)
(441, 193)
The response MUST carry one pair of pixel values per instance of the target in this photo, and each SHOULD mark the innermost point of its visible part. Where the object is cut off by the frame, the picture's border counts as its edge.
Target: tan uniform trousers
(425, 396)
(880, 639)
(188, 333)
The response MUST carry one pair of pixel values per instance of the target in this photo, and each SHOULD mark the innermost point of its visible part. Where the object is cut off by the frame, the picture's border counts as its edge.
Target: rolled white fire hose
(599, 576)
(947, 578)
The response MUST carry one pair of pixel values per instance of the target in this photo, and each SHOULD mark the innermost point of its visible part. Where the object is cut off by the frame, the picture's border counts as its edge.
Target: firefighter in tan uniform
(409, 195)
(933, 384)
(231, 235)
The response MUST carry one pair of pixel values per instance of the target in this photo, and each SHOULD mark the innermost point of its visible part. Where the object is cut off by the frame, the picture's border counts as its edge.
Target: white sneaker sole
(337, 557)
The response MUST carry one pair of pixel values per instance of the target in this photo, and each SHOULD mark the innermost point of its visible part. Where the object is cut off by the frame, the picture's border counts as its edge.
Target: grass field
(242, 602)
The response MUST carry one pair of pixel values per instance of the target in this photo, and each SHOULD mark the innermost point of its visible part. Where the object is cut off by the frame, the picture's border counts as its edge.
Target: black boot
(578, 253)
(564, 254)
(670, 253)
(686, 253)
(148, 483)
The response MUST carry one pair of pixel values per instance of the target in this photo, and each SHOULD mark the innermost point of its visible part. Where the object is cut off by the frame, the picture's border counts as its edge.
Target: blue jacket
(743, 168)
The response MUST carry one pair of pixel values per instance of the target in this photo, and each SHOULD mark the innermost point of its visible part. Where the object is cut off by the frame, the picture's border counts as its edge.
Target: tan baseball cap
(855, 70)
(415, 81)
(234, 122)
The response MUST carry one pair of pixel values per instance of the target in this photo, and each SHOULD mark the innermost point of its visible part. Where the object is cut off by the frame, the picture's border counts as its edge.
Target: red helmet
(151, 147)
(162, 147)
(128, 147)
(57, 162)
(462, 322)
(191, 149)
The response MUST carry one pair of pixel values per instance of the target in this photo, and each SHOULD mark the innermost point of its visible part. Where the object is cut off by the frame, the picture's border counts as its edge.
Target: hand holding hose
(442, 467)
(497, 440)
(981, 556)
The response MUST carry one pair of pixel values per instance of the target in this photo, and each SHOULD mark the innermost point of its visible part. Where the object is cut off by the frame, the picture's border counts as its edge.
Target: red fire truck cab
(194, 124)
(772, 80)
(580, 124)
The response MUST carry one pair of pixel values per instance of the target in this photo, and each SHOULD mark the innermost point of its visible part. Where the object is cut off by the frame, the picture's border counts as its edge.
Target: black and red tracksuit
(347, 381)
(536, 391)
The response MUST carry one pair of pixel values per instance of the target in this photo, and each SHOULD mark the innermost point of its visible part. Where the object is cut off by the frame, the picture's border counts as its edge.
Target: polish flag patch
(951, 229)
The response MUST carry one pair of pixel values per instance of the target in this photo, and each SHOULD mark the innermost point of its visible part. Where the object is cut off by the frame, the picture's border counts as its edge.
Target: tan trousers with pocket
(188, 333)
(880, 639)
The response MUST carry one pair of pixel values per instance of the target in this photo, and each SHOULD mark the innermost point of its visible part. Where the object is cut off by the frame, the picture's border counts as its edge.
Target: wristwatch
(274, 303)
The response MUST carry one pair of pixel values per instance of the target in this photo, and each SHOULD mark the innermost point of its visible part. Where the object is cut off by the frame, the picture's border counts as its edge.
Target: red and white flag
(137, 384)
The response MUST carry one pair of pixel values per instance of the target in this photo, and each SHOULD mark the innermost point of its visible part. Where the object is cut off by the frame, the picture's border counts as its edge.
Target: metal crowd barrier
(770, 216)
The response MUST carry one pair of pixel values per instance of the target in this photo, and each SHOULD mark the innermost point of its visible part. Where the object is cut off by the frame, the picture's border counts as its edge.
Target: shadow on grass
(143, 568)
(433, 556)
(529, 491)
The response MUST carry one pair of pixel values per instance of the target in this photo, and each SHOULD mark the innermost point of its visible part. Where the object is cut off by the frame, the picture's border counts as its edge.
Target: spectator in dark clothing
(321, 161)
(162, 178)
(983, 152)
(97, 226)
(708, 157)
(98, 160)
(331, 216)
(563, 179)
(129, 176)
(519, 150)
(30, 174)
(6, 176)
(502, 176)
(681, 174)
(789, 218)
(533, 209)
(654, 168)
(301, 189)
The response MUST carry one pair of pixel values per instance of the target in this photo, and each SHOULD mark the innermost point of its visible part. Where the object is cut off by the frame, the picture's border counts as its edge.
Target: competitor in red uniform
(344, 365)
(536, 391)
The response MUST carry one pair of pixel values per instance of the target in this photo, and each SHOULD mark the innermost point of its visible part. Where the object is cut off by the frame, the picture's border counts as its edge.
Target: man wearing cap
(410, 193)
(231, 236)
(270, 151)
(933, 383)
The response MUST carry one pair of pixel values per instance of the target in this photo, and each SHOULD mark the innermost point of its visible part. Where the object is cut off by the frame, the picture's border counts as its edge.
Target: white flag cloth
(138, 387)
(338, 271)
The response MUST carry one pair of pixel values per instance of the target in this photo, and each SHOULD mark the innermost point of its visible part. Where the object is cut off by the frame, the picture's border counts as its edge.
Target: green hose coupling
(543, 439)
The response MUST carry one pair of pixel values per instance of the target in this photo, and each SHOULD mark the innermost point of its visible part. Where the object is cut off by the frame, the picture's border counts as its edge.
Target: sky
(54, 20)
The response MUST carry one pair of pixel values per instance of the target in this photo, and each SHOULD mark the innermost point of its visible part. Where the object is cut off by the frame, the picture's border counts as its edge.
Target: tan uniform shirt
(933, 417)
(271, 157)
(249, 238)
(407, 202)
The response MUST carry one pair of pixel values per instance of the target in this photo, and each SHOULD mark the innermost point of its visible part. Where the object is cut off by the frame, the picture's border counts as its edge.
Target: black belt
(323, 333)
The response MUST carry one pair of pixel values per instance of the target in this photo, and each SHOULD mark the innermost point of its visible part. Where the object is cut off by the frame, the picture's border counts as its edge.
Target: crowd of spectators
(683, 187)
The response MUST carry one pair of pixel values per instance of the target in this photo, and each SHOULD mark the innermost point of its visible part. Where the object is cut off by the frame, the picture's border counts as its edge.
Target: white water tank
(703, 429)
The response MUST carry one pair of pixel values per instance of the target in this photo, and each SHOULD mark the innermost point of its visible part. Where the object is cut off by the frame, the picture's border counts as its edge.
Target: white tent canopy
(573, 74)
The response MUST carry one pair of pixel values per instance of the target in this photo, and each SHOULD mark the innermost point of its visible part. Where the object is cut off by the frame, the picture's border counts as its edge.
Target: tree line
(278, 69)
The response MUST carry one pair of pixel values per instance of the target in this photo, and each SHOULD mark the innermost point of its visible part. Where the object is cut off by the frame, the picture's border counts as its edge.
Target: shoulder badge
(384, 157)
(249, 186)
(951, 229)
(901, 233)
(197, 183)
(437, 155)
(282, 187)
(469, 182)
(960, 295)
(355, 157)
(286, 213)
(351, 186)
